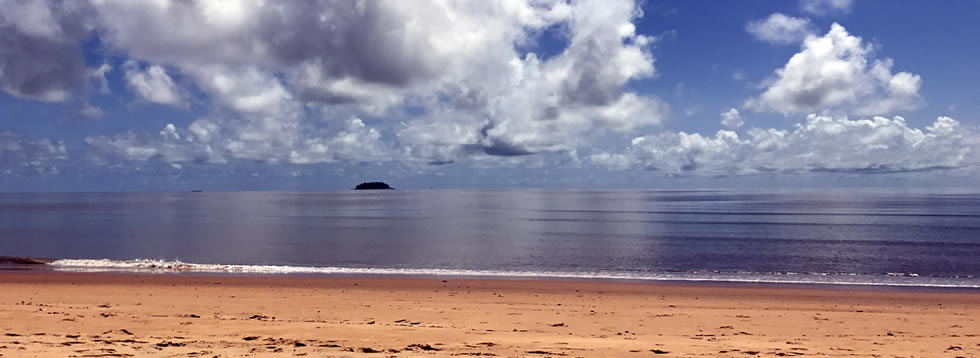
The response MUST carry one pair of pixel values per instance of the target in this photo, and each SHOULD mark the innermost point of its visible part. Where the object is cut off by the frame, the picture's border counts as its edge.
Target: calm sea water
(834, 237)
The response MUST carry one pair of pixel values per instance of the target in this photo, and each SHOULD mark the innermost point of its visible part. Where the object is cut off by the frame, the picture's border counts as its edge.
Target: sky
(166, 95)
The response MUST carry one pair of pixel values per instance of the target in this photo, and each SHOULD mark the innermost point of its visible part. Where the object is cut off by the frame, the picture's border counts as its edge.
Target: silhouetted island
(377, 185)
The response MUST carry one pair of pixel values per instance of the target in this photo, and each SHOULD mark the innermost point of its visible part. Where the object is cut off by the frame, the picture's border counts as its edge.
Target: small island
(377, 185)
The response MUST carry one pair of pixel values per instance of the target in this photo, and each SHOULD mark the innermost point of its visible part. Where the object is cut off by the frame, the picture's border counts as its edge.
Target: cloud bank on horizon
(523, 83)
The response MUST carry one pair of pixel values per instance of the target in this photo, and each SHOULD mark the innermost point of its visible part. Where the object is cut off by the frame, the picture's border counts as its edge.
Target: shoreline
(60, 314)
(800, 285)
(156, 266)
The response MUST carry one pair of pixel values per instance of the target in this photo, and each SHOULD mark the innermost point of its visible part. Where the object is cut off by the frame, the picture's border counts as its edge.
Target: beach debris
(129, 340)
(261, 317)
(123, 331)
(657, 351)
(369, 350)
(424, 347)
(560, 324)
(250, 338)
(401, 321)
(170, 344)
(954, 348)
(299, 344)
(546, 353)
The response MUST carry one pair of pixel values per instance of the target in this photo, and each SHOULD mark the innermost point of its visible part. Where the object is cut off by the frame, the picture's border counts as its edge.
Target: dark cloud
(40, 52)
(885, 169)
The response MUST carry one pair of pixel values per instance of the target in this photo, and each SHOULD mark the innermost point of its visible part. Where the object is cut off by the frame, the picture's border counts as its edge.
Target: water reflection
(544, 230)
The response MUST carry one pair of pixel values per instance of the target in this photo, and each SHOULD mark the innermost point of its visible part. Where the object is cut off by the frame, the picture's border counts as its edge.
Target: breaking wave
(165, 266)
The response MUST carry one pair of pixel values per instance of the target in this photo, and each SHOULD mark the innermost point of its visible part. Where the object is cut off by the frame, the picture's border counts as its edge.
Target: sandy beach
(126, 315)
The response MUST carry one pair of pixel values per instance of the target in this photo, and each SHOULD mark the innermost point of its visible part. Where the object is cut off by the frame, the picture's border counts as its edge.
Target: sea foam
(176, 266)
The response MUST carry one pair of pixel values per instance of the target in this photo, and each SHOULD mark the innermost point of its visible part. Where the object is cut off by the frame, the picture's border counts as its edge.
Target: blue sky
(232, 95)
(712, 45)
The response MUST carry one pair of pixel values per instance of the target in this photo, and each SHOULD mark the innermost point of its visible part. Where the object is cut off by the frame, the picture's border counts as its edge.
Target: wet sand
(123, 315)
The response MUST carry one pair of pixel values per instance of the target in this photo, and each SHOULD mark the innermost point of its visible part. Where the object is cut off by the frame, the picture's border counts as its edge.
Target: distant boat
(377, 185)
(196, 191)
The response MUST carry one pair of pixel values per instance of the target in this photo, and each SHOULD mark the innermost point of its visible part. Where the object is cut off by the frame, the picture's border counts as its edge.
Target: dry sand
(116, 315)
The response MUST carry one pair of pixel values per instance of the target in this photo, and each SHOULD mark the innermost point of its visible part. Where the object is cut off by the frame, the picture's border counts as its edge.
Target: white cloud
(738, 76)
(348, 47)
(517, 106)
(457, 63)
(266, 123)
(153, 84)
(731, 119)
(168, 145)
(826, 7)
(692, 110)
(780, 29)
(822, 143)
(98, 75)
(91, 111)
(356, 142)
(205, 142)
(19, 153)
(837, 73)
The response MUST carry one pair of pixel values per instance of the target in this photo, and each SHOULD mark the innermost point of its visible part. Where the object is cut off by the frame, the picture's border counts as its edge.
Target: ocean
(845, 237)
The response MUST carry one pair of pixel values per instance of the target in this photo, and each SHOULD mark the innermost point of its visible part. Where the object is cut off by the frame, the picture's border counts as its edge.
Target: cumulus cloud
(731, 119)
(167, 145)
(40, 52)
(91, 111)
(821, 144)
(781, 29)
(837, 73)
(153, 84)
(464, 66)
(20, 154)
(355, 142)
(826, 7)
(332, 51)
(260, 120)
(98, 75)
(204, 142)
(516, 106)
